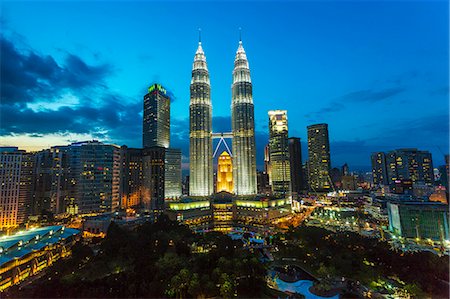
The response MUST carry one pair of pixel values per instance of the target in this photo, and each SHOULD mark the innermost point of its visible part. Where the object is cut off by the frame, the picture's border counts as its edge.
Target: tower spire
(240, 35)
(199, 35)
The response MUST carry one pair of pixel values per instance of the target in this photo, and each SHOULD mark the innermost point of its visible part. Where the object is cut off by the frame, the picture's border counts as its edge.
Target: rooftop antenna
(199, 35)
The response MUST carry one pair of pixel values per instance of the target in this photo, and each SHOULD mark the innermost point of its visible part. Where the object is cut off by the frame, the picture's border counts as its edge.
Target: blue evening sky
(375, 71)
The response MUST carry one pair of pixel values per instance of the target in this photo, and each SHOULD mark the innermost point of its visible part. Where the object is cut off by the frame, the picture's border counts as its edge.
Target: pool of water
(300, 287)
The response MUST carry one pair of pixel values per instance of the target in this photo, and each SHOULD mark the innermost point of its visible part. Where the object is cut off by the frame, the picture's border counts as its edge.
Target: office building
(379, 169)
(200, 124)
(153, 185)
(225, 173)
(295, 161)
(16, 181)
(402, 164)
(131, 177)
(52, 182)
(419, 220)
(319, 163)
(94, 177)
(243, 127)
(172, 173)
(156, 126)
(279, 152)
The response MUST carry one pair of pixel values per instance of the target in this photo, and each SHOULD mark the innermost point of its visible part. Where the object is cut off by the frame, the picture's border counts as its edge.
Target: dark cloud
(371, 95)
(27, 77)
(361, 96)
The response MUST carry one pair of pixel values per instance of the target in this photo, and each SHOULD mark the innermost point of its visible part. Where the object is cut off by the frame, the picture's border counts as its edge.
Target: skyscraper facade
(172, 173)
(52, 181)
(16, 181)
(279, 152)
(225, 173)
(295, 161)
(379, 170)
(156, 126)
(94, 177)
(410, 163)
(153, 178)
(131, 177)
(243, 127)
(200, 122)
(319, 163)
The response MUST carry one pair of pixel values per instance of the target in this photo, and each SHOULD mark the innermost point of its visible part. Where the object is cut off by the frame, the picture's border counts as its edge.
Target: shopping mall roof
(24, 242)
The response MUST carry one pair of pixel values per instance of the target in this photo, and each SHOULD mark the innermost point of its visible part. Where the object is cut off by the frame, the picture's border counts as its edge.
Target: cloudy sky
(375, 71)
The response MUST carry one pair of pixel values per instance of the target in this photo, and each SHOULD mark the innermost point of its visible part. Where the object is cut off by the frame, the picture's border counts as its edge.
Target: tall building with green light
(156, 126)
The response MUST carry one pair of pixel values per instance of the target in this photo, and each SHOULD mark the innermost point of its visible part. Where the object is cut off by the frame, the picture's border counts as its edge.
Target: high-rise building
(94, 177)
(379, 170)
(156, 126)
(243, 127)
(295, 161)
(279, 152)
(131, 177)
(52, 182)
(225, 173)
(172, 173)
(345, 170)
(409, 164)
(153, 192)
(16, 181)
(200, 120)
(319, 163)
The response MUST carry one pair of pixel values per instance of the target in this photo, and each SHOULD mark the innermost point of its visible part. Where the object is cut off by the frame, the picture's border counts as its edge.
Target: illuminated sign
(157, 87)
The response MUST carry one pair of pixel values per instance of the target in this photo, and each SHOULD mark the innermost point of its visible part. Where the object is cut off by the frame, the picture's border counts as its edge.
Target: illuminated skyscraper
(279, 152)
(16, 181)
(225, 173)
(200, 120)
(156, 127)
(410, 163)
(319, 157)
(172, 175)
(243, 126)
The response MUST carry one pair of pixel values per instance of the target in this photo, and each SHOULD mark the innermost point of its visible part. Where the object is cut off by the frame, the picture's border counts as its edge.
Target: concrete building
(94, 177)
(379, 169)
(411, 163)
(419, 220)
(279, 152)
(51, 188)
(153, 179)
(16, 182)
(131, 177)
(319, 163)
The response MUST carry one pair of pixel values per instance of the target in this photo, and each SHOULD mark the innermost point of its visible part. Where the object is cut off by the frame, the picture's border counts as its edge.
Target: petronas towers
(243, 128)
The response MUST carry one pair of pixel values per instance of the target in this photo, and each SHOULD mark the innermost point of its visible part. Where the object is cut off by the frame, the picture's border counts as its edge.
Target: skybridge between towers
(222, 137)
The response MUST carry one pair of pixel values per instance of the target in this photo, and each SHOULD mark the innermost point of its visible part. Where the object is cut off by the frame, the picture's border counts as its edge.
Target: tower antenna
(199, 35)
(240, 34)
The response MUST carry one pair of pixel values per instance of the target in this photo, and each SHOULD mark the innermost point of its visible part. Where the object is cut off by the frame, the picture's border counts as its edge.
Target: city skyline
(69, 87)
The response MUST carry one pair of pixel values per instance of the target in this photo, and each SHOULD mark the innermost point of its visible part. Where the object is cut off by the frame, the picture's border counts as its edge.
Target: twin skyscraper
(243, 128)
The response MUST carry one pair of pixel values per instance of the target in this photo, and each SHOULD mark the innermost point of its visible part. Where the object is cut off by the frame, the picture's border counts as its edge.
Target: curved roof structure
(25, 242)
